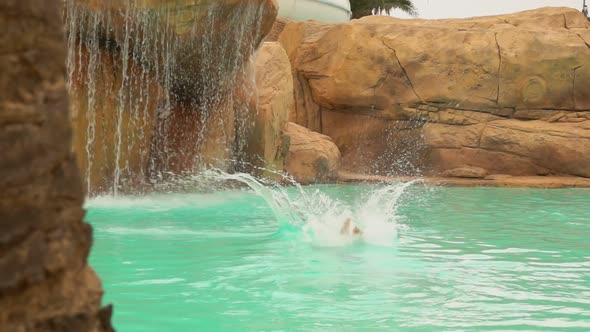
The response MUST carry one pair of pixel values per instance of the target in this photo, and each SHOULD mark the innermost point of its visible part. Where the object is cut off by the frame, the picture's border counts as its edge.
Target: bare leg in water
(346, 229)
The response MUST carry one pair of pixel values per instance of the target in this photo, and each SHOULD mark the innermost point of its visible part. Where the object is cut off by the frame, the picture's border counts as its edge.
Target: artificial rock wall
(508, 94)
(160, 88)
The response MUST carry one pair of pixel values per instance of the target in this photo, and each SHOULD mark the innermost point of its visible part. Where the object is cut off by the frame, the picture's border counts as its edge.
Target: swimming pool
(440, 259)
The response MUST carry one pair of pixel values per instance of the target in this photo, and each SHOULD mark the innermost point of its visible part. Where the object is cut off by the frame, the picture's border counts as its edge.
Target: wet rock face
(373, 84)
(159, 86)
(45, 282)
(179, 37)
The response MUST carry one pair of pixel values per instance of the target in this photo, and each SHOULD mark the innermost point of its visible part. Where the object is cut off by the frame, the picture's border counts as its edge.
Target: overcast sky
(468, 8)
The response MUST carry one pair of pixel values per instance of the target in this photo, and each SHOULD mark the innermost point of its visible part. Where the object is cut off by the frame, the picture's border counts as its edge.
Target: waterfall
(159, 87)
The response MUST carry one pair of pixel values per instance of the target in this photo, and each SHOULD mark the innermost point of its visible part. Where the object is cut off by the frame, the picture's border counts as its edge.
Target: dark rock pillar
(45, 281)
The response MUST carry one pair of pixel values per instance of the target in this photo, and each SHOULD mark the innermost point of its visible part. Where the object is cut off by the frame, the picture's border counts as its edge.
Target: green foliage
(362, 8)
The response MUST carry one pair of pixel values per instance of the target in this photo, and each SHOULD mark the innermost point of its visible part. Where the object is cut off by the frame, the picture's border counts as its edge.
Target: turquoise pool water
(441, 259)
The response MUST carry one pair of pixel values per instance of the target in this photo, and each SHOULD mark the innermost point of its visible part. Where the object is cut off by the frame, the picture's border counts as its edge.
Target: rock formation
(312, 157)
(45, 281)
(508, 94)
(271, 108)
(156, 85)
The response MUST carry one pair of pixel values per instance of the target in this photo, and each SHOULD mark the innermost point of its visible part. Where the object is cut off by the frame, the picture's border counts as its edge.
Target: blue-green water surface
(465, 259)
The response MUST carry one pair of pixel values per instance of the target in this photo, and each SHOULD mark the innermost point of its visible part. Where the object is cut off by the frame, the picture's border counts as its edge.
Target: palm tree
(362, 8)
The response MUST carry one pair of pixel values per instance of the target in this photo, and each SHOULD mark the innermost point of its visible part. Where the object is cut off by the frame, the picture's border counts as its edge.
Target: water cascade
(160, 87)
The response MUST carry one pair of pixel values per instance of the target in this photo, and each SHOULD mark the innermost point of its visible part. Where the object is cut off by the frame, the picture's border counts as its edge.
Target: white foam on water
(318, 217)
(375, 216)
(516, 251)
(173, 232)
(149, 231)
(159, 202)
(157, 281)
(321, 218)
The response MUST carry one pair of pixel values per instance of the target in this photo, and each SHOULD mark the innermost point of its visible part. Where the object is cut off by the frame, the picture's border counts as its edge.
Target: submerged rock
(312, 157)
(45, 281)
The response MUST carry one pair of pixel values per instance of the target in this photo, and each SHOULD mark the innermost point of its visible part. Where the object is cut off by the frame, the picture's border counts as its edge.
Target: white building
(318, 10)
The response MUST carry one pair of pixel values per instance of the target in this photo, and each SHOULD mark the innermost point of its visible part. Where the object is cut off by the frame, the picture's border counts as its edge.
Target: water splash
(276, 196)
(321, 217)
(309, 211)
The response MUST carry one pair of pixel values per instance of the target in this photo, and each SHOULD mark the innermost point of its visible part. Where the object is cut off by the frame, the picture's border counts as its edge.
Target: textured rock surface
(362, 81)
(45, 282)
(466, 172)
(312, 157)
(274, 91)
(513, 147)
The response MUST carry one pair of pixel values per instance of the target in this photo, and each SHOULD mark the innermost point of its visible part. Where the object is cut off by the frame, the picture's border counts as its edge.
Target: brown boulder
(45, 281)
(312, 157)
(273, 104)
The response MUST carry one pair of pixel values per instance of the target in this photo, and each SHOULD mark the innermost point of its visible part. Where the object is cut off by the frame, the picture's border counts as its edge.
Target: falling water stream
(158, 87)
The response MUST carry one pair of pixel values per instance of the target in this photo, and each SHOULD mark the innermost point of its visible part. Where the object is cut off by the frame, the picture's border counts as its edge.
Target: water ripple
(476, 259)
